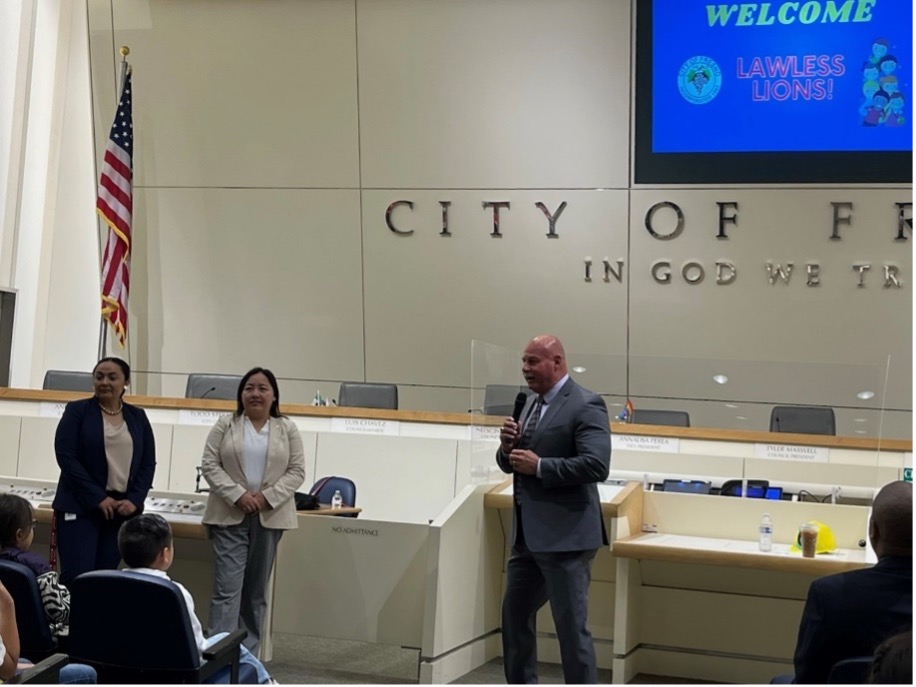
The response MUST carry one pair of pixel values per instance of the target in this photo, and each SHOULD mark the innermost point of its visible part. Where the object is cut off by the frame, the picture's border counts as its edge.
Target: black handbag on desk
(305, 501)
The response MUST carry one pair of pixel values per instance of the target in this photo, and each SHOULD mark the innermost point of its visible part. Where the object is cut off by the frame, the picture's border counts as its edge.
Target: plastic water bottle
(336, 500)
(766, 533)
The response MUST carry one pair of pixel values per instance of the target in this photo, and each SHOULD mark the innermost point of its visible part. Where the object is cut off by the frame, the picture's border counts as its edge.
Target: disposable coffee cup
(808, 540)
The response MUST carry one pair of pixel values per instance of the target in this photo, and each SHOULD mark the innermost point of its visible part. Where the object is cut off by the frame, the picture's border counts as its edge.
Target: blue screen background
(732, 121)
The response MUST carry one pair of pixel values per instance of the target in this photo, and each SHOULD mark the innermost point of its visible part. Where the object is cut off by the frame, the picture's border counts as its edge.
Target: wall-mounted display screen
(806, 91)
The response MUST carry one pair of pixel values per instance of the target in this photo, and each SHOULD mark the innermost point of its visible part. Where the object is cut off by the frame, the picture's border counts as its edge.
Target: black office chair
(64, 380)
(35, 638)
(850, 671)
(803, 420)
(674, 418)
(368, 395)
(223, 387)
(46, 672)
(135, 628)
(325, 487)
(499, 399)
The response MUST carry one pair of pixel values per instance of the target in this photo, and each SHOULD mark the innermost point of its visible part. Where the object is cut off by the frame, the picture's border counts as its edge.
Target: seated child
(145, 543)
(10, 663)
(17, 529)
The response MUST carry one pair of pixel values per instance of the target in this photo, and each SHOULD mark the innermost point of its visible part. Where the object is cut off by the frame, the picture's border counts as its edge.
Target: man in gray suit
(557, 452)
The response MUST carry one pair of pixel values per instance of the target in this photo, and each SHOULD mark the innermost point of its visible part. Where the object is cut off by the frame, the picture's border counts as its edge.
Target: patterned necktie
(533, 418)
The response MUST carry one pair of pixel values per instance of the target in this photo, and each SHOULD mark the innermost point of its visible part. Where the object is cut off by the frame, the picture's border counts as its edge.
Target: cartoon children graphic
(870, 71)
(888, 64)
(894, 115)
(869, 88)
(889, 84)
(874, 114)
(879, 49)
(884, 103)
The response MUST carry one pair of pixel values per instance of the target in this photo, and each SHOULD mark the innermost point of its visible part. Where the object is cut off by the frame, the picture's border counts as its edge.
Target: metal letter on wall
(664, 278)
(388, 212)
(496, 205)
(903, 222)
(723, 218)
(890, 276)
(777, 272)
(551, 219)
(861, 268)
(695, 268)
(608, 270)
(725, 272)
(588, 269)
(839, 219)
(813, 270)
(445, 205)
(677, 229)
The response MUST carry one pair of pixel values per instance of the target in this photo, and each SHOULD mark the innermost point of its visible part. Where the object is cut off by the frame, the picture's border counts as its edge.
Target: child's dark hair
(15, 515)
(140, 539)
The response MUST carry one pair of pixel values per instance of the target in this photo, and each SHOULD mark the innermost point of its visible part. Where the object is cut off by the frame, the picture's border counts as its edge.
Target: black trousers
(86, 542)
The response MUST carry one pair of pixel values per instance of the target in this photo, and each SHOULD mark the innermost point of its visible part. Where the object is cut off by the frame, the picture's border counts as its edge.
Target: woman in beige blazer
(253, 462)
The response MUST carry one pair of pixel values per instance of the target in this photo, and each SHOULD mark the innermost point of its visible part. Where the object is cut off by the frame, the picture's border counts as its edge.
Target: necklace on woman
(112, 412)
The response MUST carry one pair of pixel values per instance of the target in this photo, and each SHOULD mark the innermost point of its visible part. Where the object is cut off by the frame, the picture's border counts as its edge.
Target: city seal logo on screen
(699, 80)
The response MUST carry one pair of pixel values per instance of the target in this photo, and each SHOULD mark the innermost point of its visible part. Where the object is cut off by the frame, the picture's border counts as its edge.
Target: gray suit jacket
(561, 510)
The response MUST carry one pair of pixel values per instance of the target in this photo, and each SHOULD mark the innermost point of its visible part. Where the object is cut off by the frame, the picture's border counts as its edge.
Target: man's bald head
(891, 525)
(543, 363)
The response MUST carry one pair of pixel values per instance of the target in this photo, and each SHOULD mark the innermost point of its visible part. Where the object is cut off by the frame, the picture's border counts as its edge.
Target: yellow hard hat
(826, 541)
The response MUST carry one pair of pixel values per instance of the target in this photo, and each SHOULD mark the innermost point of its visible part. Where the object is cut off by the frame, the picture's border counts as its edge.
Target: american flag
(115, 205)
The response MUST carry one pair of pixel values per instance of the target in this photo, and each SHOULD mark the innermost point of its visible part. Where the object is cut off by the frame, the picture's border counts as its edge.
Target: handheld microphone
(520, 401)
(210, 390)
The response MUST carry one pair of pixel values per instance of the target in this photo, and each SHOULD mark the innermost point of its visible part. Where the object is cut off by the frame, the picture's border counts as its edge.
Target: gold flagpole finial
(125, 51)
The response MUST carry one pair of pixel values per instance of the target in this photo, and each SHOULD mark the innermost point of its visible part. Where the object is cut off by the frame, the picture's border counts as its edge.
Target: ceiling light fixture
(865, 395)
(720, 379)
(578, 369)
(731, 405)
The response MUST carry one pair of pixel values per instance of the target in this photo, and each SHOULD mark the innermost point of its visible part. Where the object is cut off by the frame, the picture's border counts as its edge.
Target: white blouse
(254, 454)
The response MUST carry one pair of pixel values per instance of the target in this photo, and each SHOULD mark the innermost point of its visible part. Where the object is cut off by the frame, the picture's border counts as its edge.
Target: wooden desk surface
(325, 509)
(183, 526)
(500, 496)
(676, 548)
(712, 434)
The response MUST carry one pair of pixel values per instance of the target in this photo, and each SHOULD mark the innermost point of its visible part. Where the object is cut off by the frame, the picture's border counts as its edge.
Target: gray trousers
(533, 579)
(244, 556)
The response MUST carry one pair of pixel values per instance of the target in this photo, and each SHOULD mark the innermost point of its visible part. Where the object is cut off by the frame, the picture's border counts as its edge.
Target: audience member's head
(146, 542)
(893, 664)
(891, 526)
(16, 525)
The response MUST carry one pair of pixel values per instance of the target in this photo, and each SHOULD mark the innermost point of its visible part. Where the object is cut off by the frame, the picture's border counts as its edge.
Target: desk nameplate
(635, 442)
(803, 454)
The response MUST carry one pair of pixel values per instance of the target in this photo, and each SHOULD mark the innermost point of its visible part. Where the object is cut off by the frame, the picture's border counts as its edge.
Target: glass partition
(866, 402)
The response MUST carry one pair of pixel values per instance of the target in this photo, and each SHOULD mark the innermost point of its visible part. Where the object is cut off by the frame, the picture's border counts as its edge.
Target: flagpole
(103, 325)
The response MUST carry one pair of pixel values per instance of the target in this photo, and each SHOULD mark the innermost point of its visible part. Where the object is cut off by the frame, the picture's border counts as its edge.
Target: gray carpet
(312, 660)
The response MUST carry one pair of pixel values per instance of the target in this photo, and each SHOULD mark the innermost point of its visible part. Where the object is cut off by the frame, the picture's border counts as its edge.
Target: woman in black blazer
(107, 457)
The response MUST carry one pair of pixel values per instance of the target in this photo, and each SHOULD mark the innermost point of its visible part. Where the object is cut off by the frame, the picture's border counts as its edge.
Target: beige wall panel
(429, 296)
(512, 94)
(36, 448)
(9, 439)
(699, 620)
(837, 334)
(228, 279)
(238, 93)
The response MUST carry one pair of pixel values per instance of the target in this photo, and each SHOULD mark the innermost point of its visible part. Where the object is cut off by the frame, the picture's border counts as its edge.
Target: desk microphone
(210, 390)
(520, 401)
